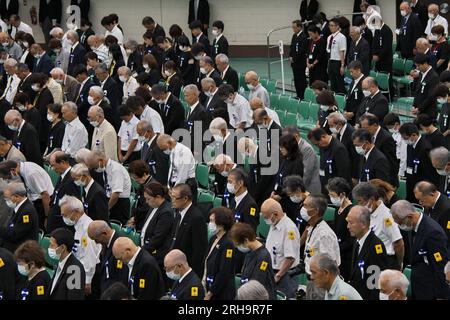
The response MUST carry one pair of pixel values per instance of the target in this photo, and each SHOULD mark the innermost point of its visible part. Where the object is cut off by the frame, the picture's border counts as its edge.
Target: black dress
(55, 136)
(345, 240)
(444, 121)
(37, 288)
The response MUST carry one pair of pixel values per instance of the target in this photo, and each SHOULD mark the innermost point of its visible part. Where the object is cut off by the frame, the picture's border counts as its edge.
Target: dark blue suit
(428, 257)
(45, 65)
(76, 58)
(83, 103)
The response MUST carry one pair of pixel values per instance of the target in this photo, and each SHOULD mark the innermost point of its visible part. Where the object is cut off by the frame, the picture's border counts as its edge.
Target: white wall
(246, 21)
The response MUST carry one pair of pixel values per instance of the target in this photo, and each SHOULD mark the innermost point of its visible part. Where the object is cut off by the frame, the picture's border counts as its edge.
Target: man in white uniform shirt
(257, 103)
(239, 111)
(18, 25)
(75, 135)
(336, 48)
(85, 249)
(142, 111)
(130, 84)
(112, 29)
(13, 80)
(435, 19)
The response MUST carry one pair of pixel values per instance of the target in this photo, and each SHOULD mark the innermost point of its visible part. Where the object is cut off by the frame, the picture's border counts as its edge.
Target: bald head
(175, 257)
(100, 232)
(13, 118)
(251, 75)
(124, 249)
(166, 142)
(272, 210)
(256, 103)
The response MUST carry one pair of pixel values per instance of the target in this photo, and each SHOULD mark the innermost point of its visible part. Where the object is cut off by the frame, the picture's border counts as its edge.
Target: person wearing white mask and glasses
(440, 159)
(256, 89)
(393, 285)
(434, 19)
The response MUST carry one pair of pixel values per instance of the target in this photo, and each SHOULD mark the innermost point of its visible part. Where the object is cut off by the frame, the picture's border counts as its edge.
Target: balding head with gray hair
(10, 62)
(17, 189)
(337, 118)
(192, 88)
(79, 170)
(326, 263)
(71, 106)
(401, 209)
(131, 44)
(393, 279)
(218, 124)
(72, 204)
(102, 68)
(81, 155)
(222, 58)
(145, 126)
(208, 82)
(97, 92)
(252, 290)
(362, 214)
(440, 157)
(207, 60)
(72, 34)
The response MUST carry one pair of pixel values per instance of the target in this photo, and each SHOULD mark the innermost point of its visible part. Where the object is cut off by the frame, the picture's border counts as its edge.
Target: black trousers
(336, 80)
(298, 70)
(134, 156)
(40, 212)
(121, 210)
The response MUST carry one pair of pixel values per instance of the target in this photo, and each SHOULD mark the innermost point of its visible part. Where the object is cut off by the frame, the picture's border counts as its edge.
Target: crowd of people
(104, 137)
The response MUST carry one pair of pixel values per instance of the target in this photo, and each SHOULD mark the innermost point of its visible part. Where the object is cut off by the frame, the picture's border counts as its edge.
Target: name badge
(310, 57)
(322, 173)
(409, 170)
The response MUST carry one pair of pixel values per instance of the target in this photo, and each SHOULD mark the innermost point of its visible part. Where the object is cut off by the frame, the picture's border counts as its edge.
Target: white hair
(222, 159)
(218, 124)
(223, 58)
(56, 71)
(72, 106)
(402, 209)
(73, 203)
(395, 279)
(55, 31)
(252, 290)
(81, 155)
(337, 117)
(10, 62)
(97, 91)
(80, 170)
(17, 189)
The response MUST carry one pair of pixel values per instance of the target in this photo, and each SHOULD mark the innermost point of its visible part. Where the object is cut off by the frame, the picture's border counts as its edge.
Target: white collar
(239, 198)
(131, 262)
(183, 212)
(368, 153)
(361, 241)
(415, 144)
(110, 239)
(62, 263)
(89, 185)
(437, 199)
(19, 205)
(65, 172)
(418, 223)
(184, 276)
(80, 221)
(376, 133)
(194, 105)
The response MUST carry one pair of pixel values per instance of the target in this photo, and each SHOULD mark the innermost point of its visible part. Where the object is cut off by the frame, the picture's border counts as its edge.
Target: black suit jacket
(83, 103)
(63, 187)
(441, 214)
(220, 46)
(299, 49)
(175, 85)
(135, 62)
(191, 288)
(157, 238)
(354, 99)
(45, 65)
(361, 52)
(76, 57)
(373, 253)
(146, 281)
(202, 13)
(96, 203)
(382, 47)
(387, 145)
(409, 33)
(424, 99)
(421, 10)
(8, 275)
(158, 162)
(375, 167)
(307, 12)
(377, 105)
(111, 90)
(61, 291)
(28, 143)
(6, 12)
(199, 115)
(247, 211)
(429, 254)
(25, 86)
(215, 103)
(52, 10)
(331, 164)
(203, 40)
(355, 158)
(85, 6)
(172, 114)
(191, 238)
(158, 32)
(231, 78)
(22, 226)
(220, 265)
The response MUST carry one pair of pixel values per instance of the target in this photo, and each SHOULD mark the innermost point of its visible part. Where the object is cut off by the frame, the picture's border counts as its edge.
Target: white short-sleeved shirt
(239, 111)
(339, 44)
(75, 137)
(36, 180)
(385, 228)
(182, 164)
(116, 32)
(130, 87)
(439, 20)
(321, 239)
(402, 148)
(154, 118)
(127, 134)
(118, 180)
(283, 241)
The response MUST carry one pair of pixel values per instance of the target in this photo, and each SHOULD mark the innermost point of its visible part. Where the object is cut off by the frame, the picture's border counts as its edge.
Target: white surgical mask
(243, 249)
(168, 152)
(80, 183)
(433, 37)
(218, 138)
(13, 128)
(360, 151)
(431, 16)
(442, 172)
(142, 139)
(203, 71)
(122, 78)
(442, 100)
(91, 101)
(225, 174)
(336, 201)
(173, 276)
(21, 107)
(23, 270)
(11, 204)
(212, 227)
(50, 118)
(268, 222)
(35, 87)
(304, 214)
(324, 108)
(60, 81)
(215, 32)
(146, 66)
(250, 86)
(100, 169)
(296, 199)
(404, 13)
(366, 93)
(53, 255)
(393, 131)
(409, 142)
(384, 296)
(231, 188)
(167, 73)
(334, 130)
(404, 227)
(95, 124)
(68, 222)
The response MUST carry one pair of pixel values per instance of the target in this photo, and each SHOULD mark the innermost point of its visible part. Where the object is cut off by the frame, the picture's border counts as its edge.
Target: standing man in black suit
(374, 101)
(8, 275)
(92, 193)
(198, 36)
(368, 251)
(429, 252)
(151, 25)
(157, 160)
(26, 138)
(436, 204)
(110, 270)
(424, 100)
(82, 101)
(409, 31)
(199, 10)
(187, 285)
(8, 8)
(418, 163)
(297, 57)
(220, 43)
(23, 224)
(382, 52)
(229, 75)
(308, 9)
(85, 6)
(355, 94)
(77, 52)
(42, 61)
(145, 280)
(65, 185)
(373, 164)
(61, 244)
(23, 72)
(421, 10)
(213, 101)
(198, 117)
(359, 50)
(189, 232)
(109, 85)
(169, 107)
(383, 142)
(50, 12)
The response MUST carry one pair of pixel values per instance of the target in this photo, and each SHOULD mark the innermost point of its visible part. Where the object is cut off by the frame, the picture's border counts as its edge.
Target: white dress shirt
(131, 263)
(239, 111)
(383, 225)
(129, 88)
(11, 88)
(147, 222)
(118, 180)
(75, 137)
(22, 27)
(182, 164)
(36, 180)
(59, 269)
(116, 32)
(439, 20)
(339, 44)
(127, 134)
(154, 118)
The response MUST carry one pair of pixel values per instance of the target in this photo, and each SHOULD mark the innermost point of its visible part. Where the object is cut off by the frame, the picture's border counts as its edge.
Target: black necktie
(177, 226)
(355, 254)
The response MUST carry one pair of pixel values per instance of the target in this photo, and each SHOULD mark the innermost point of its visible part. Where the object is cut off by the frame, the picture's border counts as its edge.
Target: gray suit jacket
(71, 88)
(15, 155)
(311, 167)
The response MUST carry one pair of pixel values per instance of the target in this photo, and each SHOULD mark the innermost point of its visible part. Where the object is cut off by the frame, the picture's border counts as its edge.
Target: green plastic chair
(293, 105)
(281, 296)
(116, 227)
(134, 236)
(303, 109)
(274, 101)
(237, 281)
(217, 202)
(398, 66)
(44, 243)
(401, 191)
(383, 82)
(53, 175)
(310, 95)
(340, 99)
(284, 103)
(271, 86)
(281, 115)
(302, 279)
(329, 214)
(204, 197)
(263, 228)
(314, 112)
(242, 82)
(290, 119)
(202, 175)
(407, 273)
(373, 74)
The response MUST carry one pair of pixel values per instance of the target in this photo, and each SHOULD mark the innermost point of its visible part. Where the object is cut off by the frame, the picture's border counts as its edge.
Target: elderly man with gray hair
(75, 135)
(212, 101)
(252, 290)
(393, 285)
(69, 84)
(23, 223)
(440, 159)
(97, 98)
(77, 51)
(359, 50)
(13, 80)
(257, 103)
(104, 138)
(197, 118)
(207, 70)
(325, 274)
(256, 88)
(429, 252)
(85, 249)
(130, 84)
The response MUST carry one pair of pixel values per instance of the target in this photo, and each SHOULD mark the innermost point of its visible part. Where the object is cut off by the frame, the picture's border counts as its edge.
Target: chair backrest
(383, 81)
(202, 175)
(217, 202)
(313, 112)
(274, 101)
(205, 197)
(398, 66)
(303, 110)
(407, 273)
(293, 105)
(290, 119)
(340, 99)
(263, 228)
(329, 214)
(284, 103)
(271, 86)
(310, 95)
(409, 65)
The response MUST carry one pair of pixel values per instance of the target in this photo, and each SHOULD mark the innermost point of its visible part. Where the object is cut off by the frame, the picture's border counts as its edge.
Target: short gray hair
(191, 88)
(81, 155)
(208, 81)
(126, 69)
(81, 170)
(223, 58)
(441, 155)
(72, 106)
(102, 67)
(97, 91)
(338, 118)
(252, 290)
(207, 60)
(145, 125)
(326, 262)
(73, 34)
(365, 190)
(73, 203)
(396, 279)
(131, 44)
(218, 124)
(10, 62)
(17, 189)
(363, 215)
(402, 209)
(355, 30)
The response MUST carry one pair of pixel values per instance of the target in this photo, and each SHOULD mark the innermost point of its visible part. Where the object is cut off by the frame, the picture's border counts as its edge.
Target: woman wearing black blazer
(36, 282)
(291, 164)
(218, 277)
(174, 82)
(151, 68)
(156, 232)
